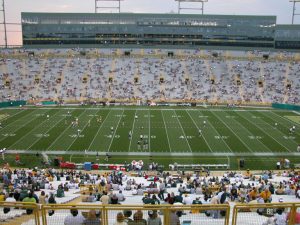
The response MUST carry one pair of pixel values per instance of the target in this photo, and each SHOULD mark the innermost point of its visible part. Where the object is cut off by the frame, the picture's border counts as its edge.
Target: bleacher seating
(233, 76)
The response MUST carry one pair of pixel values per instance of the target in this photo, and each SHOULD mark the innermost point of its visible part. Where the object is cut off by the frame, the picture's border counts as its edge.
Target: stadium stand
(232, 77)
(236, 198)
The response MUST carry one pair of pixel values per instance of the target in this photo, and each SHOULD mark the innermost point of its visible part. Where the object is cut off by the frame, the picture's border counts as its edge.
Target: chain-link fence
(264, 214)
(18, 211)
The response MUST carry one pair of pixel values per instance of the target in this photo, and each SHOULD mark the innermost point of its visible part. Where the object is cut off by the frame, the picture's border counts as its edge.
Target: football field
(142, 131)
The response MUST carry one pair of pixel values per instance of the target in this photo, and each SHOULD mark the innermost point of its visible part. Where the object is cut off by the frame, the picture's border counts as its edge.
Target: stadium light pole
(191, 8)
(294, 9)
(4, 22)
(97, 6)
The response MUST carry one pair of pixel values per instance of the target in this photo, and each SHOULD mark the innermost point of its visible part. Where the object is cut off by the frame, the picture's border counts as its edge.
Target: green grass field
(170, 133)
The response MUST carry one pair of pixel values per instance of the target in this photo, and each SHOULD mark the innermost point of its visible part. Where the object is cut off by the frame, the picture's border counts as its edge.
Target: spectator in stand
(170, 198)
(104, 198)
(147, 199)
(51, 200)
(280, 218)
(114, 199)
(136, 220)
(29, 199)
(196, 202)
(120, 219)
(280, 190)
(92, 218)
(60, 192)
(74, 219)
(174, 219)
(2, 196)
(127, 214)
(187, 200)
(153, 218)
(17, 195)
(162, 188)
(155, 200)
(139, 216)
(121, 196)
(43, 199)
(10, 198)
(266, 195)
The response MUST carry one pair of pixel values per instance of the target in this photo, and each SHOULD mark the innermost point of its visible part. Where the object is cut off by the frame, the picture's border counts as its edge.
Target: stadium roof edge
(171, 15)
(289, 26)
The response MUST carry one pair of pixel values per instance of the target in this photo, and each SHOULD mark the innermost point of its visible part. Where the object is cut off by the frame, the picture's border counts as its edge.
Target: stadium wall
(12, 104)
(285, 106)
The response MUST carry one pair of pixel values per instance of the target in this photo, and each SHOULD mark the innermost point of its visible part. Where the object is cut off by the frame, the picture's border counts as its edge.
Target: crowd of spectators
(68, 75)
(45, 186)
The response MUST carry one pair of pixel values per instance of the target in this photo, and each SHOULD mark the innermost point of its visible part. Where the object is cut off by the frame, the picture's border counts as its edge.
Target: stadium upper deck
(171, 30)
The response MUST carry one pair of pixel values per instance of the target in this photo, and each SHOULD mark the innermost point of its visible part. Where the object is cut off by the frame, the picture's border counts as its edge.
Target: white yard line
(132, 130)
(35, 128)
(203, 134)
(18, 120)
(46, 132)
(15, 114)
(233, 132)
(68, 148)
(89, 148)
(296, 112)
(183, 131)
(166, 131)
(265, 132)
(23, 125)
(251, 134)
(115, 130)
(64, 131)
(283, 118)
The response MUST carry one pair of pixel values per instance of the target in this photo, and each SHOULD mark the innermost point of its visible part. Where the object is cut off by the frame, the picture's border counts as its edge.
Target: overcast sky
(281, 8)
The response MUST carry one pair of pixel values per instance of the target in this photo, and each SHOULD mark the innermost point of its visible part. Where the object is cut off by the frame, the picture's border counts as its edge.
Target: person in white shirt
(74, 219)
(187, 200)
(121, 196)
(280, 218)
(10, 198)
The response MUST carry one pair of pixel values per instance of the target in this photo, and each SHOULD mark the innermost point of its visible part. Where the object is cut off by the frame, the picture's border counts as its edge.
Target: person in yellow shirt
(253, 193)
(2, 197)
(266, 195)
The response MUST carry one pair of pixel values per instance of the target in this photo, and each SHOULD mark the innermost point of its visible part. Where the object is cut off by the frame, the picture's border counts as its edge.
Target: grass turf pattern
(165, 131)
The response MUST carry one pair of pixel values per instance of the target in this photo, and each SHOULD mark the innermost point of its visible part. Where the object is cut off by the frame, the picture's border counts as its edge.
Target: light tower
(99, 6)
(2, 9)
(192, 8)
(294, 9)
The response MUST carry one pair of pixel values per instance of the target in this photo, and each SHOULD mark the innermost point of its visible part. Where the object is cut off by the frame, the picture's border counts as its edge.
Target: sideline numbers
(9, 135)
(41, 135)
(221, 137)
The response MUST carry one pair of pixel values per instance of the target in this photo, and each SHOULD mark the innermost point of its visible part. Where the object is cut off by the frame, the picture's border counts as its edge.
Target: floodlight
(294, 9)
(191, 8)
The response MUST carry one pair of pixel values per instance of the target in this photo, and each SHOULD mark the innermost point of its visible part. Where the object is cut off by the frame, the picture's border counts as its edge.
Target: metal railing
(31, 213)
(14, 210)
